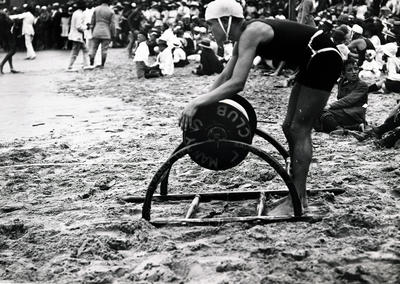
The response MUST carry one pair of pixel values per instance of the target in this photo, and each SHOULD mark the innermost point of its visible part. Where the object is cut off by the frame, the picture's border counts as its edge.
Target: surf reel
(219, 139)
(233, 119)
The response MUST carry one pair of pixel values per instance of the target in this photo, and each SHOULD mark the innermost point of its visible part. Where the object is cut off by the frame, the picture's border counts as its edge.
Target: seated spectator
(180, 59)
(392, 82)
(209, 63)
(388, 133)
(370, 72)
(164, 65)
(141, 56)
(348, 112)
(392, 67)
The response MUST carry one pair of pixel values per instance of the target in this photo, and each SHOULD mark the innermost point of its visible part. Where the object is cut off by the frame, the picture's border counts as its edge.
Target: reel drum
(232, 119)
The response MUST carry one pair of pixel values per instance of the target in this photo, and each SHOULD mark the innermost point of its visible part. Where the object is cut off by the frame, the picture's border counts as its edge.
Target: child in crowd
(348, 112)
(164, 65)
(370, 72)
(179, 54)
(141, 57)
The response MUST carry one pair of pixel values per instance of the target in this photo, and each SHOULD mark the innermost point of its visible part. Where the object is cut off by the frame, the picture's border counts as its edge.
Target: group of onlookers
(367, 36)
(163, 35)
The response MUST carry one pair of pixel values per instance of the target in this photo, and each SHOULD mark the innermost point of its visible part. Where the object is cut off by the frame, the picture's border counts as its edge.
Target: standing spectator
(27, 30)
(88, 14)
(56, 26)
(8, 40)
(65, 21)
(304, 12)
(103, 29)
(141, 57)
(76, 35)
(42, 28)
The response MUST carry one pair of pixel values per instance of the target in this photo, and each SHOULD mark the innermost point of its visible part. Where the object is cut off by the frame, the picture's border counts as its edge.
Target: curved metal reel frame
(181, 151)
(259, 132)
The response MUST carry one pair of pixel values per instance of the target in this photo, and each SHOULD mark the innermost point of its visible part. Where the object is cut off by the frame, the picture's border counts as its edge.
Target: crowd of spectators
(173, 33)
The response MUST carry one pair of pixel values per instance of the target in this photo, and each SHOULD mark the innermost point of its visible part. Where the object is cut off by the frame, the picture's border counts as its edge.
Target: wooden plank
(219, 221)
(223, 195)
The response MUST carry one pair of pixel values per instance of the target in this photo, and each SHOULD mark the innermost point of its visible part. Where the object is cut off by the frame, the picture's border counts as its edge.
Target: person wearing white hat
(179, 55)
(316, 56)
(359, 44)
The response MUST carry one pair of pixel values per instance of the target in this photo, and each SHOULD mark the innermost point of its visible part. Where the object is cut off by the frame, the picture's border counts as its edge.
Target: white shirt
(142, 53)
(393, 67)
(77, 26)
(169, 37)
(166, 62)
(27, 22)
(87, 15)
(179, 54)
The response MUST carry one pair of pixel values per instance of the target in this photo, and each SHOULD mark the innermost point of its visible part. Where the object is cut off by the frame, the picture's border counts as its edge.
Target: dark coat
(352, 98)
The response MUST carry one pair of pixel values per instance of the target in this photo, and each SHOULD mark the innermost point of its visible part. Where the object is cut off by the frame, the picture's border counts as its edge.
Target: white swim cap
(223, 8)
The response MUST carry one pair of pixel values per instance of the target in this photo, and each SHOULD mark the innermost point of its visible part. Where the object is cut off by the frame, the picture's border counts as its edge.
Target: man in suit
(103, 30)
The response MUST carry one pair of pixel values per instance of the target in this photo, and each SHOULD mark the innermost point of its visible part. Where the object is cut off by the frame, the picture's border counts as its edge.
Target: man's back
(103, 22)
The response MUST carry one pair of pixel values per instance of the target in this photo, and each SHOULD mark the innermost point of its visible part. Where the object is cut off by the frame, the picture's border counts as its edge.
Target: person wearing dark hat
(316, 56)
(348, 111)
(209, 63)
(8, 40)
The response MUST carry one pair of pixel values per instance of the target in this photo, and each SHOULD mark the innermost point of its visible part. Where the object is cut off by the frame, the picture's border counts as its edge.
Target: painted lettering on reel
(226, 120)
(233, 115)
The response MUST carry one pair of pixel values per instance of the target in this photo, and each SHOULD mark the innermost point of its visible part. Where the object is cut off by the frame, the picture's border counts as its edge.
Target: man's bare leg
(305, 105)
